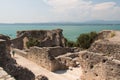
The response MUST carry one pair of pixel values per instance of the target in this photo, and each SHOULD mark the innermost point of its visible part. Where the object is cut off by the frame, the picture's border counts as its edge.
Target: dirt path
(58, 75)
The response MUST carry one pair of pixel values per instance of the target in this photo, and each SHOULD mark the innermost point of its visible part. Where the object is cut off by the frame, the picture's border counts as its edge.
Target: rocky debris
(47, 38)
(69, 59)
(10, 65)
(4, 75)
(41, 77)
(98, 67)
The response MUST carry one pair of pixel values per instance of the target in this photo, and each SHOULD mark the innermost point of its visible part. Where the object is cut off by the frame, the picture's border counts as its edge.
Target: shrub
(112, 34)
(85, 40)
(71, 44)
(93, 36)
(32, 42)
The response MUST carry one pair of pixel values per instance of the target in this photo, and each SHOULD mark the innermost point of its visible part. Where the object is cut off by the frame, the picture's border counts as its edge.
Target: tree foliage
(71, 44)
(85, 40)
(32, 42)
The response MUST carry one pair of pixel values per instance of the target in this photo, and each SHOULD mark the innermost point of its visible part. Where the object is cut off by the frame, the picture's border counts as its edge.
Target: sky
(39, 11)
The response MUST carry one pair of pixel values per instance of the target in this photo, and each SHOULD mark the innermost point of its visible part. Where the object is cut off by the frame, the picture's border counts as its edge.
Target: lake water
(71, 31)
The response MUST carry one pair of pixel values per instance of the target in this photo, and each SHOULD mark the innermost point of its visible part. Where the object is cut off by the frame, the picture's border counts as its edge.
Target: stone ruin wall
(57, 51)
(47, 38)
(42, 57)
(10, 65)
(102, 60)
(111, 49)
(18, 43)
(98, 67)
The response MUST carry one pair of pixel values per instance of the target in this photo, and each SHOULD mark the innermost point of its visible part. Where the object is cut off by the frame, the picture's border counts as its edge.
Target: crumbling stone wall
(18, 43)
(47, 38)
(10, 65)
(111, 49)
(69, 59)
(42, 57)
(102, 60)
(60, 54)
(98, 67)
(57, 51)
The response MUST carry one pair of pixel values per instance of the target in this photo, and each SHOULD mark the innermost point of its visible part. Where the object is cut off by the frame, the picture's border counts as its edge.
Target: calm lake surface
(70, 31)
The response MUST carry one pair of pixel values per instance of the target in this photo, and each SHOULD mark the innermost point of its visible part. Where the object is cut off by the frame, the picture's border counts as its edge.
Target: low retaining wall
(42, 57)
(45, 56)
(57, 51)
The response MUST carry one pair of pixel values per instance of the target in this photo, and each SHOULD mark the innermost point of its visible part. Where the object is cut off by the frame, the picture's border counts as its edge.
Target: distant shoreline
(60, 24)
(95, 22)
